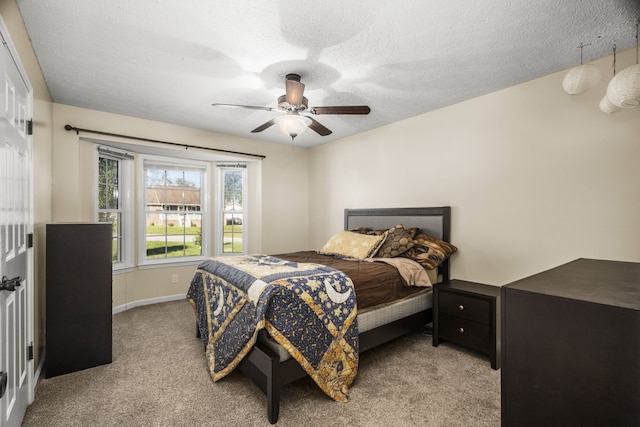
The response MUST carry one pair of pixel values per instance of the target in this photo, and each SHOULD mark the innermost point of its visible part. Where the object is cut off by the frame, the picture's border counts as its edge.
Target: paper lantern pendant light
(624, 89)
(580, 79)
(607, 106)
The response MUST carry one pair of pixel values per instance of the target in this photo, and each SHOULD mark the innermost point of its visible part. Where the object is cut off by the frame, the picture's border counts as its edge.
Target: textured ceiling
(170, 60)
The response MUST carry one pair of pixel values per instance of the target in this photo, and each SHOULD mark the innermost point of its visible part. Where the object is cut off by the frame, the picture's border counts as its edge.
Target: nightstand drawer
(475, 309)
(464, 332)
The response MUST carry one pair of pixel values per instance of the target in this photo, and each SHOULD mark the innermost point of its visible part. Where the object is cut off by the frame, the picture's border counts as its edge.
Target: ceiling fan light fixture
(293, 125)
(293, 103)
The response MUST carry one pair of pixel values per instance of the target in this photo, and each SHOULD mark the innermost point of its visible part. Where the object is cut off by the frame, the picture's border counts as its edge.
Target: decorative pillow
(361, 230)
(429, 251)
(399, 240)
(349, 244)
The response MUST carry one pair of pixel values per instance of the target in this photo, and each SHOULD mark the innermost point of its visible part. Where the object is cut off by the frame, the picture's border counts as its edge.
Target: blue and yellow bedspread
(309, 309)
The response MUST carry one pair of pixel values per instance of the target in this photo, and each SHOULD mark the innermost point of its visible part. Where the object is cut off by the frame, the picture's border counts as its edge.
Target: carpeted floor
(159, 378)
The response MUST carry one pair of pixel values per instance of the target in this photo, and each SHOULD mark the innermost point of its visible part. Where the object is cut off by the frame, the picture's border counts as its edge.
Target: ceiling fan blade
(250, 107)
(294, 89)
(347, 109)
(319, 128)
(264, 126)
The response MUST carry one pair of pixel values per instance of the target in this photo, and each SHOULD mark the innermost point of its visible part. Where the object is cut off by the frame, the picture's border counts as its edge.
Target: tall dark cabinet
(78, 312)
(571, 346)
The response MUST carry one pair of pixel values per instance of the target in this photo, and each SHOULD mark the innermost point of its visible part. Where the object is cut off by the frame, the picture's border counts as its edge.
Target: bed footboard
(262, 365)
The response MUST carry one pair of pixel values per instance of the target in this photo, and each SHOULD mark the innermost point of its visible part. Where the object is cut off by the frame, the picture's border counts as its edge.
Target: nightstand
(468, 314)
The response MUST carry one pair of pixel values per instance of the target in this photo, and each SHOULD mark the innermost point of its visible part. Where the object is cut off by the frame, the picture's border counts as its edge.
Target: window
(174, 210)
(168, 218)
(114, 169)
(232, 190)
(109, 206)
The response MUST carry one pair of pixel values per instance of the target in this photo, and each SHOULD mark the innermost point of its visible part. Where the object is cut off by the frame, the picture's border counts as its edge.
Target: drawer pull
(461, 330)
(461, 307)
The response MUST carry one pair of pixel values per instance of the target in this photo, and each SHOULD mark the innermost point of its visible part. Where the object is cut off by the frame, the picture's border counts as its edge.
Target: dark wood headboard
(435, 222)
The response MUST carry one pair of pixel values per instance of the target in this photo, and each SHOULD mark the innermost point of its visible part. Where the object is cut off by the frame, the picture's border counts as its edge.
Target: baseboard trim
(37, 373)
(133, 304)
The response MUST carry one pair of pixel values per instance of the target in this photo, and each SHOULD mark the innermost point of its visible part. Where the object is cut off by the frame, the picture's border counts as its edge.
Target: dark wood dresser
(468, 314)
(571, 346)
(78, 318)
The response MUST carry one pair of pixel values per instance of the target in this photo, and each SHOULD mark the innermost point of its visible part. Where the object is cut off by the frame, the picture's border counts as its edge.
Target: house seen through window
(173, 210)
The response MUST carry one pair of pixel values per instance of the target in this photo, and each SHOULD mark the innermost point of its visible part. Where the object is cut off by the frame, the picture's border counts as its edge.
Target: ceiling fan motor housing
(285, 106)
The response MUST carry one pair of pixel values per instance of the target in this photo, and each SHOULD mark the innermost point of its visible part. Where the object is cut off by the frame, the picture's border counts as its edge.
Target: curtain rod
(186, 146)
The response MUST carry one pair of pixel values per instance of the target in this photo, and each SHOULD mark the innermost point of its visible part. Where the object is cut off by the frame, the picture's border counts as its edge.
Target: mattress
(371, 317)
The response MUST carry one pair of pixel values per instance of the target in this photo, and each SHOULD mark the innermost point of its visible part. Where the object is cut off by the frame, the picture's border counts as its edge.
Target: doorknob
(9, 284)
(3, 383)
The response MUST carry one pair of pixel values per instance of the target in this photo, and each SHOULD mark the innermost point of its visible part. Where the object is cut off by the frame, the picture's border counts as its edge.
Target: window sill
(123, 270)
(169, 264)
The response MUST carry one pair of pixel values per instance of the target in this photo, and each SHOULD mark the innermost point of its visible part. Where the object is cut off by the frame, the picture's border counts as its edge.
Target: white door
(16, 295)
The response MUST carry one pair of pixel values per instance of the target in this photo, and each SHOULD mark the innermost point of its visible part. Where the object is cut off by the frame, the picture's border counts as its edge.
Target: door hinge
(30, 352)
(30, 240)
(29, 127)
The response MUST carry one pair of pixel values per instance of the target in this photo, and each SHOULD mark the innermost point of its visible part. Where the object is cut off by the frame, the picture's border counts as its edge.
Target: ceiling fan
(293, 103)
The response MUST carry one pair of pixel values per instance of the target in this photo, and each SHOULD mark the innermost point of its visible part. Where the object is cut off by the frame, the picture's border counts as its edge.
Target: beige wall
(535, 177)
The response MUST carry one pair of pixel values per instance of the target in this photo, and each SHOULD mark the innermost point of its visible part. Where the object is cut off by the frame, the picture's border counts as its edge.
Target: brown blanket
(375, 282)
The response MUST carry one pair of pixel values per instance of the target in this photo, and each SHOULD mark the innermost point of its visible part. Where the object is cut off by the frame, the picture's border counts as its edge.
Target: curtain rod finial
(69, 127)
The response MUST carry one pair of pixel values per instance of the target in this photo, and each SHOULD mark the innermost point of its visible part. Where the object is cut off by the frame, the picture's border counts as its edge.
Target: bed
(272, 359)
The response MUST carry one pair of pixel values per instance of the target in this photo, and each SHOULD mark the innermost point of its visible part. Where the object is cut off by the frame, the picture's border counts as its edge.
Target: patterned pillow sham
(399, 240)
(429, 251)
(349, 244)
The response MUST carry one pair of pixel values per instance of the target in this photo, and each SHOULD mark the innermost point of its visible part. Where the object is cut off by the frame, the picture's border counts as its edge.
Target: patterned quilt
(309, 309)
